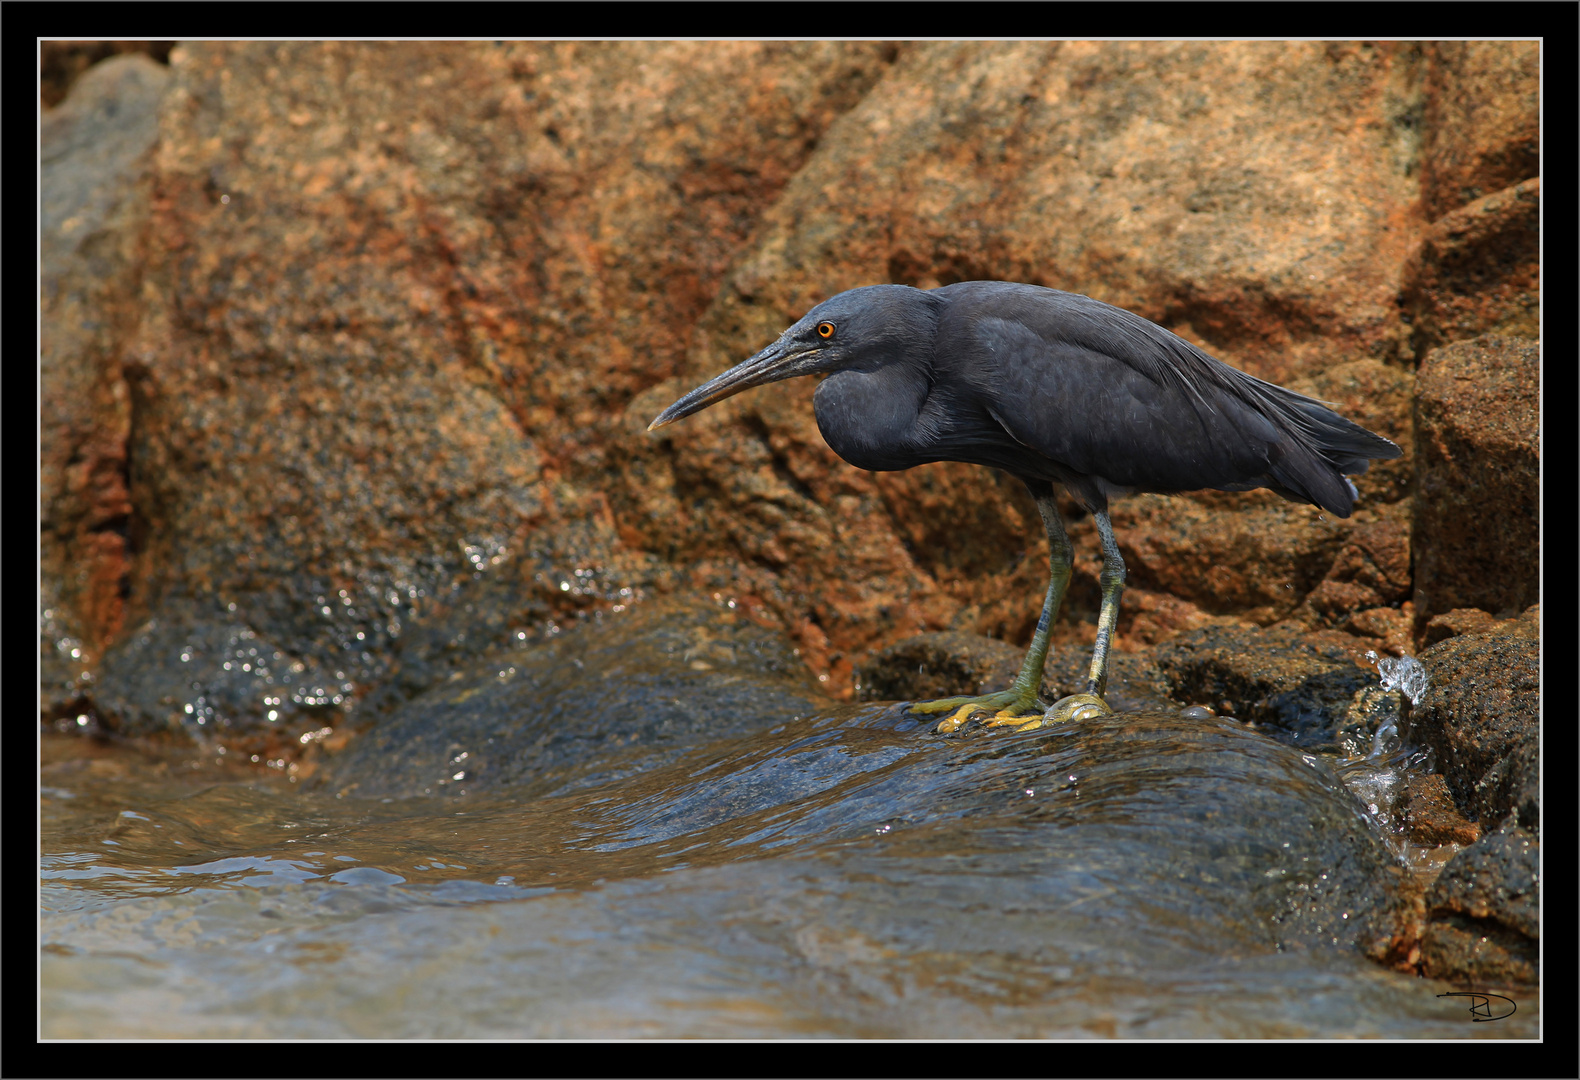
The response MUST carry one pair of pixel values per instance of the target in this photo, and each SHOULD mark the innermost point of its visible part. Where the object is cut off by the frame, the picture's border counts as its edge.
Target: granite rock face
(94, 154)
(376, 330)
(1478, 270)
(1136, 173)
(1481, 113)
(396, 293)
(1477, 516)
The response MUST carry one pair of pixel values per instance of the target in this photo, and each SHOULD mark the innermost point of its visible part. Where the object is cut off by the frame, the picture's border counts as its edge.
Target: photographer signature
(1485, 1007)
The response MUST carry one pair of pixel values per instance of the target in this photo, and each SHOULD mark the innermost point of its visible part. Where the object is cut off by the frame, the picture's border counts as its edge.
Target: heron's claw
(953, 723)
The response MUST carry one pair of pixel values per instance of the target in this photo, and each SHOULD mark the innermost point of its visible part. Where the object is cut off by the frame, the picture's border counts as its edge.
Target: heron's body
(1110, 403)
(1054, 388)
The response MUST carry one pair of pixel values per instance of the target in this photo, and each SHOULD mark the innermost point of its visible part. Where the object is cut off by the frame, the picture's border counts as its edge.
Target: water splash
(1377, 773)
(1404, 674)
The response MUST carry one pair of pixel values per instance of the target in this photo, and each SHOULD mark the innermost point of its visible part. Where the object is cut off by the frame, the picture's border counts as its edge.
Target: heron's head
(862, 328)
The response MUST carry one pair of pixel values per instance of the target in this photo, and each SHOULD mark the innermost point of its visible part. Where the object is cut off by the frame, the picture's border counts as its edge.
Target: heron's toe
(956, 721)
(1015, 715)
(1076, 707)
(1012, 706)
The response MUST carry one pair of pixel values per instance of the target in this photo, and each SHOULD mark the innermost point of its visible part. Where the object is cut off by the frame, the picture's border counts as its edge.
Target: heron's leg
(1112, 580)
(1061, 556)
(1012, 705)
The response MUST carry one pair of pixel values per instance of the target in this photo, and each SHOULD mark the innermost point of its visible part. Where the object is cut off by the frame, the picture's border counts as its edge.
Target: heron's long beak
(776, 362)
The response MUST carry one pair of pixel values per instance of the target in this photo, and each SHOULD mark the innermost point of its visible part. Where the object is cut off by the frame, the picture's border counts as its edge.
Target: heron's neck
(869, 417)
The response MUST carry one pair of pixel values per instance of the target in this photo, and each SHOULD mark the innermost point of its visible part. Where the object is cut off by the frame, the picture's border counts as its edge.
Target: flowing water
(848, 874)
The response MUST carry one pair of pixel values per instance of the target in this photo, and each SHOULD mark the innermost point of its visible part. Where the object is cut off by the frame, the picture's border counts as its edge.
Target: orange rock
(403, 342)
(1476, 526)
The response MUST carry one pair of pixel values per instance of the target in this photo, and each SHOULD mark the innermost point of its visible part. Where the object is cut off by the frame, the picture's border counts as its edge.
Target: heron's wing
(1108, 394)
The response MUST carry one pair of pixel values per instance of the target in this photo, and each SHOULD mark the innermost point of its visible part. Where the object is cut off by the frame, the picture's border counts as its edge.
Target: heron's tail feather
(1350, 447)
(1305, 476)
(1322, 448)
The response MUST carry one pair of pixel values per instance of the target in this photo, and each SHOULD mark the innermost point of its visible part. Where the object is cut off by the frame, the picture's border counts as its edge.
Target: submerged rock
(1145, 831)
(681, 727)
(848, 874)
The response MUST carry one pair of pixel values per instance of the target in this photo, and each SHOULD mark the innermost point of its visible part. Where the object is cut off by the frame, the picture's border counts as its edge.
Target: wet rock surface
(1149, 799)
(1430, 816)
(1481, 717)
(1280, 679)
(604, 702)
(953, 664)
(848, 870)
(201, 676)
(1484, 911)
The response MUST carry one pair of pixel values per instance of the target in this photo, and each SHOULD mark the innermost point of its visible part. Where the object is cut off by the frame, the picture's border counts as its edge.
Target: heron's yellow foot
(1067, 709)
(1007, 706)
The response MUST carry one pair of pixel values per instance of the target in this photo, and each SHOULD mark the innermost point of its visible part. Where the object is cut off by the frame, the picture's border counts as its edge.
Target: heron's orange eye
(825, 330)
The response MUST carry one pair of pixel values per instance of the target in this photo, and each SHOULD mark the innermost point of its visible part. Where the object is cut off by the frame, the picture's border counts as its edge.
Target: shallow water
(846, 875)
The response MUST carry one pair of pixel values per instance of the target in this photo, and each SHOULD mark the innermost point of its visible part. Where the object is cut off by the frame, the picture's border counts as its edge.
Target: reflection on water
(850, 875)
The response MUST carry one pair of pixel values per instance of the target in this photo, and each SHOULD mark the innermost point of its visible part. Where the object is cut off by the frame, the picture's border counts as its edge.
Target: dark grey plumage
(1054, 388)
